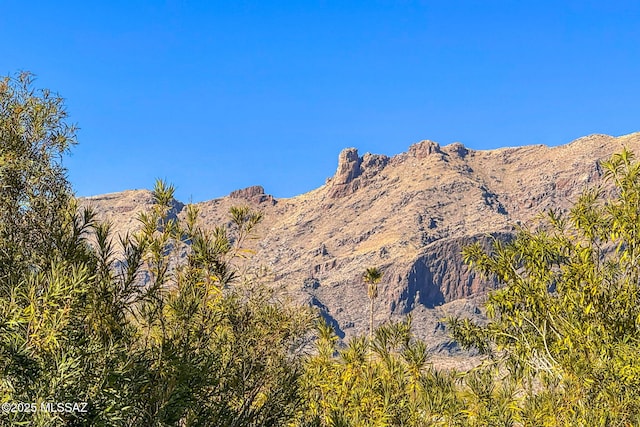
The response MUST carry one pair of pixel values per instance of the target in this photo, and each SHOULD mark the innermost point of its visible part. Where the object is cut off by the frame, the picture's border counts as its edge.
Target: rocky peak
(424, 148)
(372, 164)
(247, 193)
(348, 166)
(354, 171)
(255, 194)
(457, 149)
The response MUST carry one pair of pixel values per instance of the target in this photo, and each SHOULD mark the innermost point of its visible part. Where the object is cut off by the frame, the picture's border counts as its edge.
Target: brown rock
(354, 172)
(424, 149)
(247, 193)
(348, 166)
(253, 194)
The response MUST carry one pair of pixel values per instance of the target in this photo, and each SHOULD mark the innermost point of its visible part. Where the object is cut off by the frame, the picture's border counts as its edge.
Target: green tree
(34, 192)
(371, 278)
(566, 323)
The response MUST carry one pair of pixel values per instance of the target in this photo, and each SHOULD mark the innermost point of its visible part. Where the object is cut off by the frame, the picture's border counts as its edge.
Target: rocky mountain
(410, 215)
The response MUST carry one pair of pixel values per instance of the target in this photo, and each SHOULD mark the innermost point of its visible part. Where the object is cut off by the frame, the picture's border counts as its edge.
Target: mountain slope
(409, 215)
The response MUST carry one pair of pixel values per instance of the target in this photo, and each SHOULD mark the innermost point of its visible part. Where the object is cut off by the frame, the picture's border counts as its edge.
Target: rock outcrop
(354, 172)
(348, 166)
(254, 194)
(438, 274)
(424, 149)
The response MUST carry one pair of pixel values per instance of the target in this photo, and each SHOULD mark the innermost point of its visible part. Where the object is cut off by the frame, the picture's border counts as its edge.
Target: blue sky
(220, 95)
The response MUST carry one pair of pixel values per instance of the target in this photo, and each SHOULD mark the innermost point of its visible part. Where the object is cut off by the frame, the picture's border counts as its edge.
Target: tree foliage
(389, 381)
(34, 192)
(567, 321)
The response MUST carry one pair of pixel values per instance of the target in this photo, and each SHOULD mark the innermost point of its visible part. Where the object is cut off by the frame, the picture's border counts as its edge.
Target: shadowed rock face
(438, 275)
(410, 215)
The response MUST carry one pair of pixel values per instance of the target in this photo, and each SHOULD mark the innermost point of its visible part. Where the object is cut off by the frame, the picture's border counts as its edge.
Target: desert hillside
(409, 215)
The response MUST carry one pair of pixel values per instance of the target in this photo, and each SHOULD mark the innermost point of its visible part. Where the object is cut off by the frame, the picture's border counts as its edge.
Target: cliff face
(438, 274)
(409, 215)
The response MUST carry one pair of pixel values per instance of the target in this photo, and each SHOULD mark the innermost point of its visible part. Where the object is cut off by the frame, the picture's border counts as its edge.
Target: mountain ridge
(409, 214)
